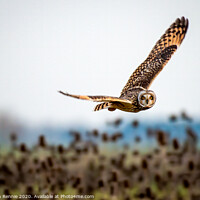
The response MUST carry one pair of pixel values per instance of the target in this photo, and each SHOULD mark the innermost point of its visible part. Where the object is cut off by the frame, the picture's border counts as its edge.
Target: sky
(91, 47)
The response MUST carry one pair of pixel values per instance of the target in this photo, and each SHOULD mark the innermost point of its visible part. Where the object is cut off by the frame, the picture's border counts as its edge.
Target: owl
(136, 95)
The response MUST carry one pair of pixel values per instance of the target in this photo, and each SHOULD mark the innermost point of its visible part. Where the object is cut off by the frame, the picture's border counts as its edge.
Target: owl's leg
(103, 106)
(111, 109)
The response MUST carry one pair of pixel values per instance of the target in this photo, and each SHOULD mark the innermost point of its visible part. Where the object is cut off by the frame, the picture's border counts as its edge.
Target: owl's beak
(147, 101)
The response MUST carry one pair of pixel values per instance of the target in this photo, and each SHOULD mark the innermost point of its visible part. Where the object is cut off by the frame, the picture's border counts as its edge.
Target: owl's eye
(142, 98)
(151, 97)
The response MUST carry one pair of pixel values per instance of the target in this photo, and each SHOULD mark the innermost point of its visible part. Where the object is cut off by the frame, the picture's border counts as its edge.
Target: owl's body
(136, 96)
(131, 95)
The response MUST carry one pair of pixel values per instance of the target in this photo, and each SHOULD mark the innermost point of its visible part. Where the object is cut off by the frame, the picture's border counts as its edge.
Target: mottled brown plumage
(135, 96)
(159, 55)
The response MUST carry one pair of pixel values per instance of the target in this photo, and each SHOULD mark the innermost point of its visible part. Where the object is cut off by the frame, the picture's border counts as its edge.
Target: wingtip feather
(64, 93)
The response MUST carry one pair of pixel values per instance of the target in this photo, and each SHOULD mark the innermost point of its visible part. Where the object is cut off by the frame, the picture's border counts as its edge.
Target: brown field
(99, 166)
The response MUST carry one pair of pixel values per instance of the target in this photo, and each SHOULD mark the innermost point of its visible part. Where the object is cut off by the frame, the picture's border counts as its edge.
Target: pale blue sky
(92, 47)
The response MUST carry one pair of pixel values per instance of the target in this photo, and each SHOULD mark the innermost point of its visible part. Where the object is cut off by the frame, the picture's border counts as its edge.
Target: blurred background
(91, 48)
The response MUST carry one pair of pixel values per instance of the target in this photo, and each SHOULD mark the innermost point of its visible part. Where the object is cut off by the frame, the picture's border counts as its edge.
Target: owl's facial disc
(147, 98)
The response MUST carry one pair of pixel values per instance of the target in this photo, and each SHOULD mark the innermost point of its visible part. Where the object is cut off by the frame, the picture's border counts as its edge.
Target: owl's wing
(159, 55)
(98, 98)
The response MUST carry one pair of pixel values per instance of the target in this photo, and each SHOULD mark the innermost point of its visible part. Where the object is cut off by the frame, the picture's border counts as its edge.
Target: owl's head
(146, 98)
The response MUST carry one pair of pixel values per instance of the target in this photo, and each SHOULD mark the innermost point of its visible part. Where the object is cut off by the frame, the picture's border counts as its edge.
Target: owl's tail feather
(103, 106)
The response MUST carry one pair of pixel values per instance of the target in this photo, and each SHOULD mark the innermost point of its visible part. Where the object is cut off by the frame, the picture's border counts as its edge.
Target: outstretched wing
(159, 56)
(98, 98)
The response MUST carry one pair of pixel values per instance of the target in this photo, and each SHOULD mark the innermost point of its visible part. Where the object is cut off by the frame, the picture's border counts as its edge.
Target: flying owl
(136, 95)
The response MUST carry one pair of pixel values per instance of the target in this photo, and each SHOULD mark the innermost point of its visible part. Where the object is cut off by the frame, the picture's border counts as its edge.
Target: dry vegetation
(89, 166)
